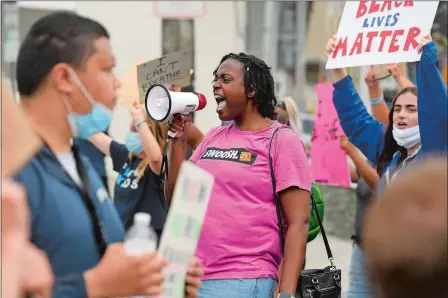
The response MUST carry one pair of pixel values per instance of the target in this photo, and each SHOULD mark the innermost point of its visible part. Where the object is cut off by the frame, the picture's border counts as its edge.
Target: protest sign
(128, 91)
(380, 32)
(18, 141)
(171, 69)
(183, 226)
(328, 160)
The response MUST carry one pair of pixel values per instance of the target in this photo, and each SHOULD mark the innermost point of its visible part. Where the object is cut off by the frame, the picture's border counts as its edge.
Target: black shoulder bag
(313, 283)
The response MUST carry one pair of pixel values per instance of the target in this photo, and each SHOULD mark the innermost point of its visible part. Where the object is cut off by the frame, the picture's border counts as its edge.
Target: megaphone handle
(171, 134)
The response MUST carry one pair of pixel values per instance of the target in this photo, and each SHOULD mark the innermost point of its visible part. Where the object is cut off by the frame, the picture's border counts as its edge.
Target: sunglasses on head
(281, 105)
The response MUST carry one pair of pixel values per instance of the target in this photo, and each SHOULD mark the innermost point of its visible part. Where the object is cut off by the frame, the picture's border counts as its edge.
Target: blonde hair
(160, 131)
(293, 114)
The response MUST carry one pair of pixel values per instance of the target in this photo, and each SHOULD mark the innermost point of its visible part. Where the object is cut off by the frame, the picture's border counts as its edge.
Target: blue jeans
(359, 280)
(238, 288)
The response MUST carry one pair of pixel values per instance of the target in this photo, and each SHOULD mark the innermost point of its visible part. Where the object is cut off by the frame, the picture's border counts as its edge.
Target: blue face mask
(86, 125)
(134, 143)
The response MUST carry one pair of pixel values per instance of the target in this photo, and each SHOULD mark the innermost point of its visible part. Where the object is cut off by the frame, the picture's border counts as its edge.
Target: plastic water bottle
(140, 238)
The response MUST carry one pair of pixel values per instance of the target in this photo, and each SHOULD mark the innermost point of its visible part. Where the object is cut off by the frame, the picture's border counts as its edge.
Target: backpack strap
(279, 211)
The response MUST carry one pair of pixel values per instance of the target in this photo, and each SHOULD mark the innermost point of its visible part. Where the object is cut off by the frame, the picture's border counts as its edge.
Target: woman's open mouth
(221, 102)
(402, 125)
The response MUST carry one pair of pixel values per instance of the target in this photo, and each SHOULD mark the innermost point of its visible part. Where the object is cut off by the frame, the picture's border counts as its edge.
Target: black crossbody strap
(97, 224)
(277, 199)
(279, 211)
(85, 191)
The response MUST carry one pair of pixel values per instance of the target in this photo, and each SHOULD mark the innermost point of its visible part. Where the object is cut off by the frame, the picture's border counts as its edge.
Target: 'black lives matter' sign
(171, 69)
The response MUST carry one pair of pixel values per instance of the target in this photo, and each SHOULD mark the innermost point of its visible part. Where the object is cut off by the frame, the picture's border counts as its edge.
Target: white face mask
(408, 137)
(84, 126)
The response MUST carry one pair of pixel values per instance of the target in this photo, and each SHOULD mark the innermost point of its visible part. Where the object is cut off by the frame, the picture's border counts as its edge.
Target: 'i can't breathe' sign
(380, 32)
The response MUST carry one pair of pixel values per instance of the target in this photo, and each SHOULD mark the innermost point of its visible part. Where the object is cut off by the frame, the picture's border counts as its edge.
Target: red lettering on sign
(369, 7)
(414, 32)
(389, 40)
(393, 43)
(362, 9)
(384, 34)
(357, 46)
(370, 36)
(341, 46)
(387, 5)
(374, 7)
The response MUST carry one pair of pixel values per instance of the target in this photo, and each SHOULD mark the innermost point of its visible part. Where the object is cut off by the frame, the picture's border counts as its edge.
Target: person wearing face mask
(139, 186)
(417, 125)
(68, 90)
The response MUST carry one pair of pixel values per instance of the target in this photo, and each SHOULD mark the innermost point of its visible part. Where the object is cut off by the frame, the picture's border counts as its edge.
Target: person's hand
(175, 88)
(193, 279)
(179, 124)
(120, 275)
(137, 112)
(15, 232)
(15, 211)
(330, 46)
(36, 276)
(370, 79)
(425, 39)
(397, 70)
(345, 143)
(338, 73)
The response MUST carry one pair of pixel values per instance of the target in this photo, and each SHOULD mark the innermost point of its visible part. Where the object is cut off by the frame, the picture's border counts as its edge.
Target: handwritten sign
(380, 32)
(328, 160)
(171, 69)
(19, 142)
(128, 91)
(183, 226)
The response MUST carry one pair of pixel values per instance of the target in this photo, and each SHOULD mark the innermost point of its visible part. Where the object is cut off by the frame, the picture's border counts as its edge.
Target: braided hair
(257, 75)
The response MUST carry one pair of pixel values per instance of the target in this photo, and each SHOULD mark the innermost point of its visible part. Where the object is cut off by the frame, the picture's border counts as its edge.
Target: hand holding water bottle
(121, 275)
(133, 268)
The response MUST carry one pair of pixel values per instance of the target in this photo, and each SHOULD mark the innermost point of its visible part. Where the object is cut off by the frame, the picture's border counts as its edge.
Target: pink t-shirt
(240, 236)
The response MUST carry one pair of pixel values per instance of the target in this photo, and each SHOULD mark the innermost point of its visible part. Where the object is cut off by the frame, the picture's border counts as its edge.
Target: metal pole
(270, 40)
(300, 71)
(363, 89)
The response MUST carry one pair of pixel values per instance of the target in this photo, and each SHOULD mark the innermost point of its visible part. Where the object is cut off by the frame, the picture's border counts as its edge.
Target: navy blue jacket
(367, 133)
(61, 224)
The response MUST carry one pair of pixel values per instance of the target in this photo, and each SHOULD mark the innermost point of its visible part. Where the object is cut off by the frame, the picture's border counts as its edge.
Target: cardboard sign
(171, 69)
(328, 160)
(19, 142)
(128, 91)
(183, 226)
(380, 32)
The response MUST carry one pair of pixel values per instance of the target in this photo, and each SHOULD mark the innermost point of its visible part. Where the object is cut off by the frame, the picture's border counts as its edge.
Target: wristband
(375, 101)
(137, 125)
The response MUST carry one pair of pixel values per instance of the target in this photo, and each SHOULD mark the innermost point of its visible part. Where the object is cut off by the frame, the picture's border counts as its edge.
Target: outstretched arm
(432, 100)
(364, 131)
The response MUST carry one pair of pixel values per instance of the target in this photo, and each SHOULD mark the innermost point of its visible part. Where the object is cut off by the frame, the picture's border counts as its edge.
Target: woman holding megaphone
(239, 245)
(417, 125)
(138, 187)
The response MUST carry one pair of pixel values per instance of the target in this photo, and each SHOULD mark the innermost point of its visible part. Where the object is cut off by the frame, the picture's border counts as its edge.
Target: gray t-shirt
(363, 198)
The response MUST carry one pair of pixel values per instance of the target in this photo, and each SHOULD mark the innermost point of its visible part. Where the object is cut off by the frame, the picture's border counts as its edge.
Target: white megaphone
(161, 103)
